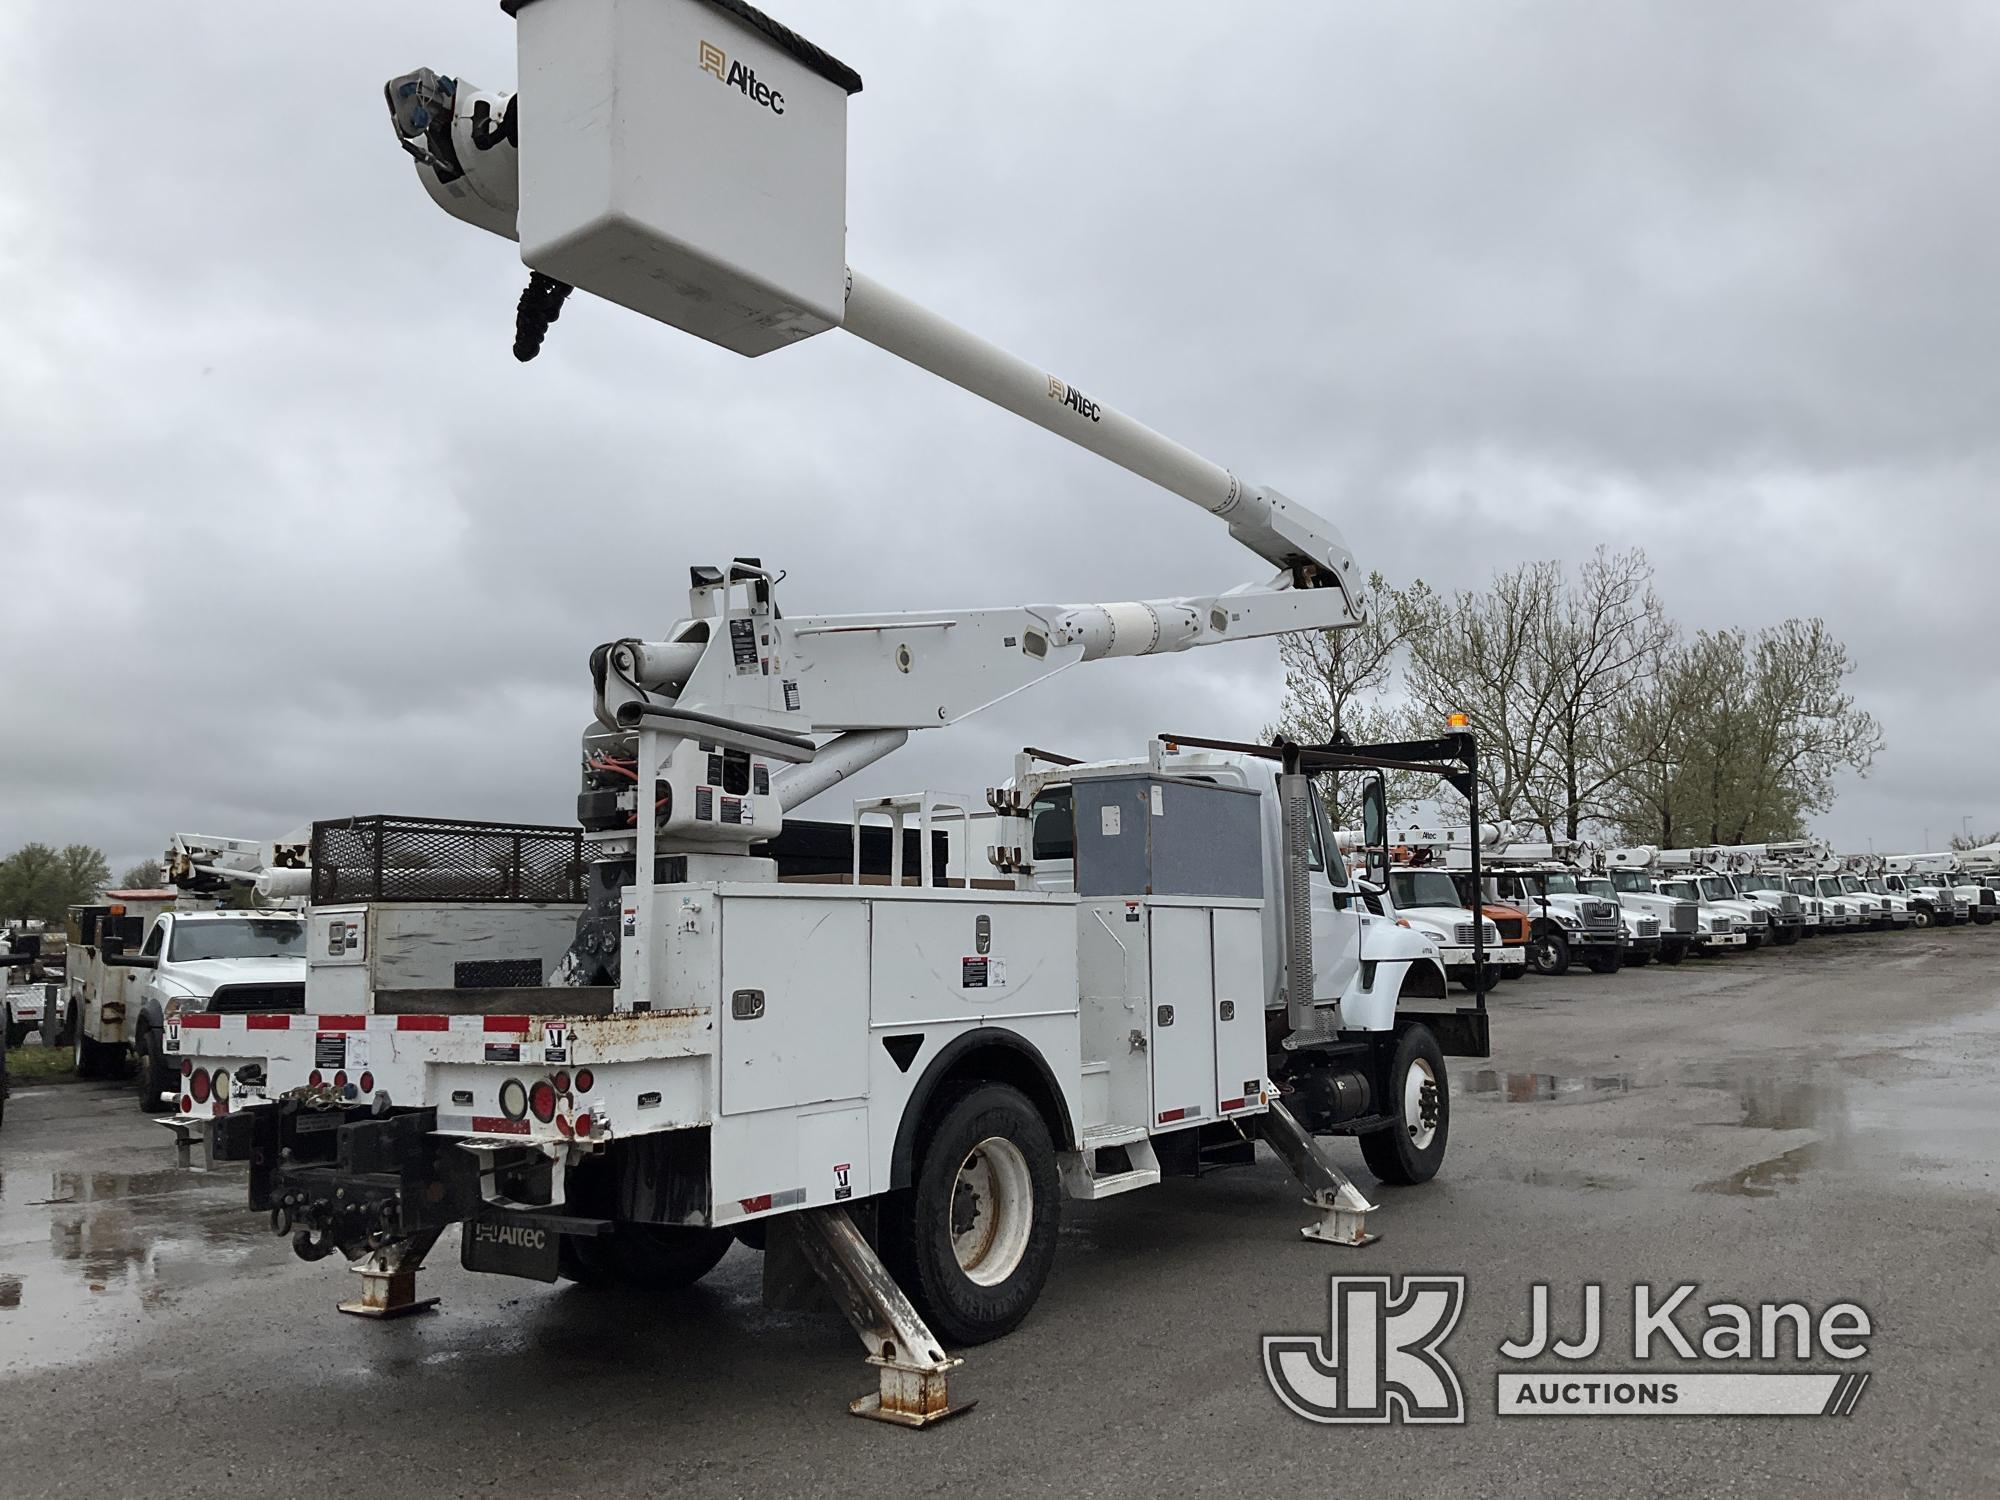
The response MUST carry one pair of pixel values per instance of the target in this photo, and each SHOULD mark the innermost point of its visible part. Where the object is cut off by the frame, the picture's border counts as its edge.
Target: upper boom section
(742, 241)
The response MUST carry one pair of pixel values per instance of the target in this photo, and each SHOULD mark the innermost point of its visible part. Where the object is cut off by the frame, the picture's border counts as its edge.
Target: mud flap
(529, 1246)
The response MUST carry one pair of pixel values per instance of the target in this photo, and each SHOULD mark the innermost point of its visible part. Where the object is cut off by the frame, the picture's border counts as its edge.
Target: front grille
(1511, 929)
(1462, 934)
(1722, 924)
(1789, 904)
(384, 858)
(1649, 926)
(249, 999)
(1685, 917)
(1758, 919)
(1599, 914)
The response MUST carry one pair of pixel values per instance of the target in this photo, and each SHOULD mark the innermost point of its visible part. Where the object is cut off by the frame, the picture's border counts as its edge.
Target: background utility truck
(893, 1084)
(139, 957)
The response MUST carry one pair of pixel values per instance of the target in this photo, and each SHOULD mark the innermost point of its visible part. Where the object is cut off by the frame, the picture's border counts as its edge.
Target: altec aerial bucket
(688, 159)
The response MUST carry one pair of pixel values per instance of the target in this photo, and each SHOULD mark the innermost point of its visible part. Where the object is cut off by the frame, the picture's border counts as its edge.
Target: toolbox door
(1182, 1016)
(794, 1002)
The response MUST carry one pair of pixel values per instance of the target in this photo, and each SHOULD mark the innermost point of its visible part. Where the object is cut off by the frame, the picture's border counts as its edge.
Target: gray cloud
(288, 533)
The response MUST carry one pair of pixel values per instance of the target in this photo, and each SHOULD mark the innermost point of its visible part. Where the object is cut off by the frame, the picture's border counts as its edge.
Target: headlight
(1568, 921)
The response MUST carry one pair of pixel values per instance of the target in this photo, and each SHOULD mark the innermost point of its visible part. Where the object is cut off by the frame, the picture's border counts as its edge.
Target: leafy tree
(144, 876)
(39, 881)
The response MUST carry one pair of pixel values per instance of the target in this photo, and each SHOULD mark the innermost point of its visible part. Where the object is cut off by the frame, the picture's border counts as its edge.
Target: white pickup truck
(214, 963)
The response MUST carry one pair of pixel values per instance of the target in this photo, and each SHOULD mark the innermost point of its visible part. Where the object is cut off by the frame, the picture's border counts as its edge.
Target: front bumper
(1498, 956)
(1648, 944)
(1737, 939)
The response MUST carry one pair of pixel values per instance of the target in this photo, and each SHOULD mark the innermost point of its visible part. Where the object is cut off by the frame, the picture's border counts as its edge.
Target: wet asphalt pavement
(1819, 1124)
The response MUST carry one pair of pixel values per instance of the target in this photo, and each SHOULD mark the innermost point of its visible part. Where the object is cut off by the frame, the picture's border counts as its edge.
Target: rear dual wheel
(972, 1239)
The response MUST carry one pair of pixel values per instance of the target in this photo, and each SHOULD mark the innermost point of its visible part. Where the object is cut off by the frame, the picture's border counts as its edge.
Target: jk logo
(1379, 1360)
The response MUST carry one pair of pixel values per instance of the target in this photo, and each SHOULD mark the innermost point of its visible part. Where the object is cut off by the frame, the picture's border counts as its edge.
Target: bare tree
(1485, 655)
(1601, 644)
(1337, 683)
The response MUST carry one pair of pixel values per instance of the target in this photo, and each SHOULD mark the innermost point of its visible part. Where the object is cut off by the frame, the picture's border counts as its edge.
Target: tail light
(221, 1085)
(367, 1083)
(187, 1066)
(542, 1100)
(584, 1080)
(562, 1082)
(198, 1085)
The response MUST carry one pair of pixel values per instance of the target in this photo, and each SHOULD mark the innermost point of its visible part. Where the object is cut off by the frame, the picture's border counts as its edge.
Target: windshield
(1632, 880)
(1597, 887)
(1851, 883)
(1408, 888)
(1802, 886)
(238, 937)
(1562, 884)
(1680, 889)
(1828, 886)
(1879, 886)
(1717, 888)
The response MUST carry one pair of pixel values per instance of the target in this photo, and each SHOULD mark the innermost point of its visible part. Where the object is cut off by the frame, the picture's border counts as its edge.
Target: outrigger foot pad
(914, 1370)
(1342, 1208)
(389, 1281)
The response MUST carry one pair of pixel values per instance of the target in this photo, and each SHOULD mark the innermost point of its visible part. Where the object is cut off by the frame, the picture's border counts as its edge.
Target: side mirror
(1375, 826)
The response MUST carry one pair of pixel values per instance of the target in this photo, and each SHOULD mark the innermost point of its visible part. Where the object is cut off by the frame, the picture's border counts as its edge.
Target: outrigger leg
(1343, 1211)
(185, 1135)
(913, 1367)
(389, 1279)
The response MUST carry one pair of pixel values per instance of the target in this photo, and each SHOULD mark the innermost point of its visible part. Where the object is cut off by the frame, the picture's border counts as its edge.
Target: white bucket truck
(894, 1084)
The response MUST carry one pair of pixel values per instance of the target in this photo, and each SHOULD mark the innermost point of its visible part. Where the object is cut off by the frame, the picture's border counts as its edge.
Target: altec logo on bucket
(1382, 1360)
(740, 78)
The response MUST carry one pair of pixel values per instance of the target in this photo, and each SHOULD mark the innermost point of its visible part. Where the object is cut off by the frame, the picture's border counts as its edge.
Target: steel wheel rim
(1545, 953)
(992, 1211)
(1421, 1103)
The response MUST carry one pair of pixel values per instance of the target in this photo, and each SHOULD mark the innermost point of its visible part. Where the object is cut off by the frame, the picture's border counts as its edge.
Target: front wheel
(1548, 953)
(1638, 958)
(1605, 960)
(1411, 1150)
(972, 1239)
(1673, 953)
(16, 1033)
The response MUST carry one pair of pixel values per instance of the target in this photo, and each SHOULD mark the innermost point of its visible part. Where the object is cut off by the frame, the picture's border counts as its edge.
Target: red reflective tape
(267, 1023)
(516, 1024)
(1167, 1117)
(498, 1125)
(755, 1205)
(423, 1023)
(1229, 1104)
(341, 1023)
(202, 1021)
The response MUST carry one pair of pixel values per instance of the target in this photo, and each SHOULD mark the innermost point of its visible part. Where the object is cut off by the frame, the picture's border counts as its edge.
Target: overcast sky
(289, 534)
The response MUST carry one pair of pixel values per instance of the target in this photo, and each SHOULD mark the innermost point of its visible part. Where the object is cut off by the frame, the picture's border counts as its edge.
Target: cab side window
(154, 939)
(1054, 823)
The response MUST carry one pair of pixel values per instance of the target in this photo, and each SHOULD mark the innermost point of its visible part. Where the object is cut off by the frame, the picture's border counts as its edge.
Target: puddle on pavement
(1932, 1125)
(83, 1252)
(1541, 1088)
(1763, 1179)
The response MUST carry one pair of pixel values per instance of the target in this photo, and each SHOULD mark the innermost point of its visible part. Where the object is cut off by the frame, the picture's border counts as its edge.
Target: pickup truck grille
(1685, 917)
(245, 999)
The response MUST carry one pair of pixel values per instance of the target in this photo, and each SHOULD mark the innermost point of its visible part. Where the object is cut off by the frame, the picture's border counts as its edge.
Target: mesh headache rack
(385, 858)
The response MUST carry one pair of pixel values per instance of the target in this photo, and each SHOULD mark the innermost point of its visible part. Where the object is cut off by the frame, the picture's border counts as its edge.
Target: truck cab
(1753, 920)
(1428, 899)
(1643, 941)
(1568, 922)
(1716, 928)
(1678, 919)
(1775, 884)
